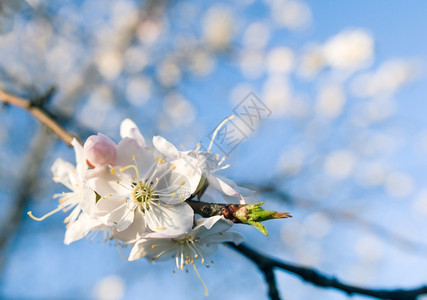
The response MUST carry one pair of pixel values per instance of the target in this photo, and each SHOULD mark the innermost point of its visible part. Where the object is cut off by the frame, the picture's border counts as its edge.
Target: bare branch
(39, 113)
(267, 264)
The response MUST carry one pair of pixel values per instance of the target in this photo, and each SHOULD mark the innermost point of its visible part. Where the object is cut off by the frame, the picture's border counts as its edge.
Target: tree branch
(39, 113)
(229, 211)
(29, 180)
(267, 264)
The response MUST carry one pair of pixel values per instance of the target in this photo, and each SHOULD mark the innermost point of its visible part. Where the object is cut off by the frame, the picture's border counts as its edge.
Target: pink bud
(99, 150)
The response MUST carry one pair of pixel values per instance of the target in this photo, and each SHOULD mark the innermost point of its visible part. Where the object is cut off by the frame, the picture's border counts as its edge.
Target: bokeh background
(344, 149)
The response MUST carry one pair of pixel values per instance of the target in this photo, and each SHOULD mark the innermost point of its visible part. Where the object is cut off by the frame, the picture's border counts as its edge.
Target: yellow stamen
(182, 182)
(113, 171)
(131, 167)
(173, 194)
(160, 160)
(173, 167)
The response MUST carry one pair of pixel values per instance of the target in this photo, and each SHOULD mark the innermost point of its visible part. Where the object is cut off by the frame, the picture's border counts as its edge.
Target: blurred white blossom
(350, 49)
(386, 80)
(218, 27)
(110, 288)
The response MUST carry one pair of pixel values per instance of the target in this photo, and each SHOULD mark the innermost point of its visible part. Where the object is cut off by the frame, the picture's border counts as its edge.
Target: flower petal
(62, 170)
(130, 130)
(80, 228)
(227, 187)
(212, 225)
(104, 183)
(134, 232)
(152, 248)
(166, 148)
(170, 219)
(81, 166)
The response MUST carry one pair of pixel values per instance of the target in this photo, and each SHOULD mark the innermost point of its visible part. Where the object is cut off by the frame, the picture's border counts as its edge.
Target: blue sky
(40, 266)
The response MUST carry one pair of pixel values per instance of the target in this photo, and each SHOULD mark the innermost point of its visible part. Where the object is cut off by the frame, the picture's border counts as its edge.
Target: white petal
(122, 217)
(62, 170)
(88, 201)
(134, 231)
(104, 183)
(80, 228)
(212, 225)
(128, 150)
(170, 219)
(165, 148)
(130, 130)
(191, 173)
(81, 166)
(152, 248)
(226, 187)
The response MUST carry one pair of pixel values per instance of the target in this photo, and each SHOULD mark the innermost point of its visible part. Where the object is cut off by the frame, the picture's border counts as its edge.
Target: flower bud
(99, 150)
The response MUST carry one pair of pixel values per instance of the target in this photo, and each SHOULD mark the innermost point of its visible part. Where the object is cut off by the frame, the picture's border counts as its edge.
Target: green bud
(253, 214)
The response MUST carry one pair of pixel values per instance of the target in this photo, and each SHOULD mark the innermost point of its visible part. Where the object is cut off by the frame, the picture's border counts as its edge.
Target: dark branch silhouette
(267, 265)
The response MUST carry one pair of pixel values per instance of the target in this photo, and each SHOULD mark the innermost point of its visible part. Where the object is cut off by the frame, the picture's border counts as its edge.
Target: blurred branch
(26, 185)
(38, 112)
(399, 240)
(267, 265)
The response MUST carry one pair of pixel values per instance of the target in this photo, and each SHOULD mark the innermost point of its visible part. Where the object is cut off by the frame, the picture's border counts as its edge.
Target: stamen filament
(46, 215)
(131, 167)
(200, 278)
(217, 130)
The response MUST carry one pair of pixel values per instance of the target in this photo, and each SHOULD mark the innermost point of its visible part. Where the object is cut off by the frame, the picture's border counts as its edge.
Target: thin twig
(398, 240)
(266, 264)
(39, 113)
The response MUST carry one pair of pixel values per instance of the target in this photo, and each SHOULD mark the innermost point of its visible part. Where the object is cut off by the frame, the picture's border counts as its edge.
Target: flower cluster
(137, 193)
